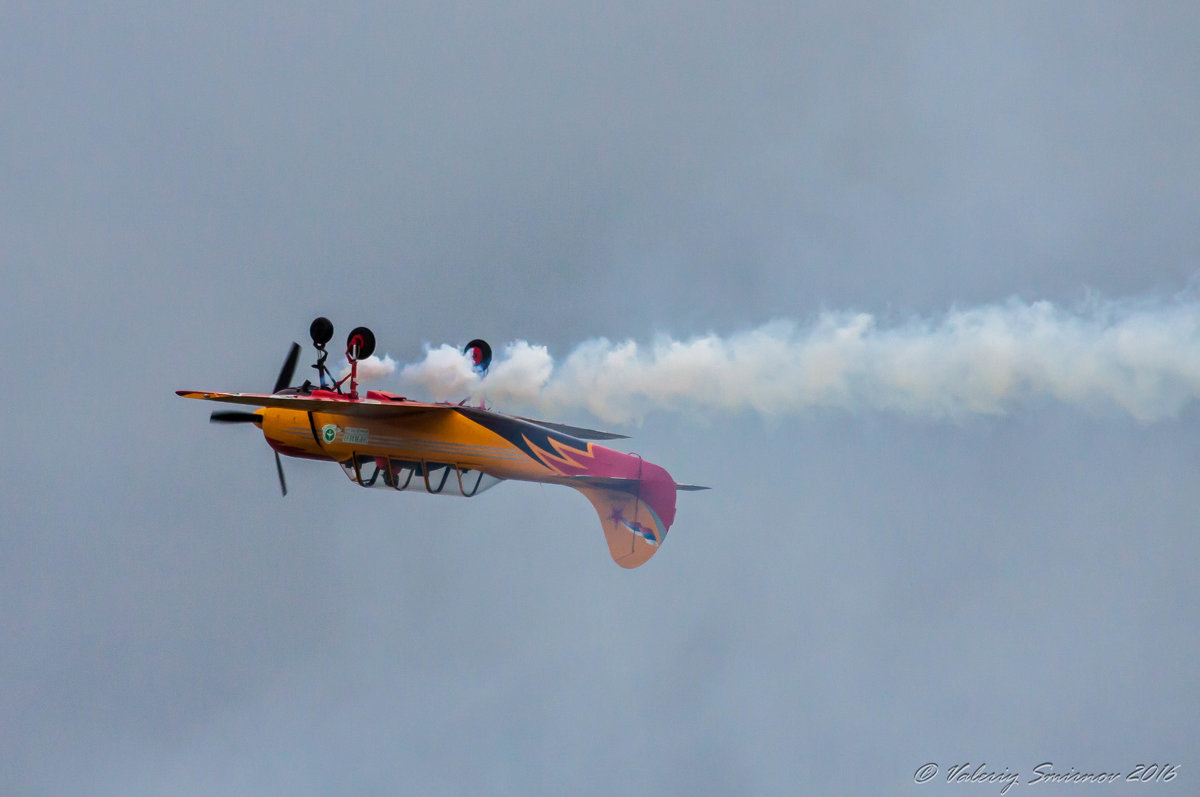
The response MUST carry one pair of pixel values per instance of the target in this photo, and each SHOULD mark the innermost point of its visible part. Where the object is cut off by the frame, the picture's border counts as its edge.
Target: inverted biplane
(389, 442)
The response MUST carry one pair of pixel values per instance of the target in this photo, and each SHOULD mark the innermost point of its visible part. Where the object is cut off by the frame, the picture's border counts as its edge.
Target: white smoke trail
(1141, 357)
(371, 368)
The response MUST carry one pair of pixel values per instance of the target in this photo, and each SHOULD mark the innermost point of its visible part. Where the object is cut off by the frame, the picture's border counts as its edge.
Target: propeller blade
(289, 368)
(235, 417)
(279, 467)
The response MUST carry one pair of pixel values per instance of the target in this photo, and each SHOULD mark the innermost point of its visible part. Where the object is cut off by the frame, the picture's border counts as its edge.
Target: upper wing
(375, 408)
(372, 408)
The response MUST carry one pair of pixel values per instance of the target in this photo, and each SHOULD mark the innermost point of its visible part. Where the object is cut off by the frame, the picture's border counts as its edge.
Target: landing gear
(480, 353)
(360, 344)
(321, 331)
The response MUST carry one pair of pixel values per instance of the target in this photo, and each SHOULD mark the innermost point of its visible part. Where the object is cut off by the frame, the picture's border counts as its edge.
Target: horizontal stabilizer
(578, 431)
(691, 487)
(611, 482)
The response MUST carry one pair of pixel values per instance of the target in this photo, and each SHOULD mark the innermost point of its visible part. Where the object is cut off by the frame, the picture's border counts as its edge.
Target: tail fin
(633, 531)
(634, 513)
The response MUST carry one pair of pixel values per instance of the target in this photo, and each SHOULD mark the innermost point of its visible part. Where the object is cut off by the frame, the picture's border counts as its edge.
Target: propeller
(221, 416)
(289, 368)
(279, 468)
(283, 380)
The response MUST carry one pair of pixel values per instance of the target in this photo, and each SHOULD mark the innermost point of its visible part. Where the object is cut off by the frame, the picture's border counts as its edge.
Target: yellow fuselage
(434, 437)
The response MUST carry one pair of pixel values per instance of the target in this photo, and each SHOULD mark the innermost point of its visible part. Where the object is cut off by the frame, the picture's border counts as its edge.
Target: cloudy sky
(866, 590)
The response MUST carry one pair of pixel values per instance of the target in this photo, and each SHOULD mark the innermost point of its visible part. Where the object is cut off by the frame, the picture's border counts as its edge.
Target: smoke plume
(371, 368)
(1138, 357)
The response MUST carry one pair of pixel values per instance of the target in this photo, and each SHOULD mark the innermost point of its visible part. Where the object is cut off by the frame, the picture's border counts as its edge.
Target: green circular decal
(328, 432)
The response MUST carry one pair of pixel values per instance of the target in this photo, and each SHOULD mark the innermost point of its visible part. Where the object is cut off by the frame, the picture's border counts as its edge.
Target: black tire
(321, 331)
(366, 346)
(481, 353)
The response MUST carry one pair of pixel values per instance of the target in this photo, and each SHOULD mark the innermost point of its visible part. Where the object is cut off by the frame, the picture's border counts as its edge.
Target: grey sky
(186, 186)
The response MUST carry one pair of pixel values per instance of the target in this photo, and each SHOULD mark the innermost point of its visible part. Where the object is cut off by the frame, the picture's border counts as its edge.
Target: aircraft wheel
(321, 331)
(480, 353)
(365, 343)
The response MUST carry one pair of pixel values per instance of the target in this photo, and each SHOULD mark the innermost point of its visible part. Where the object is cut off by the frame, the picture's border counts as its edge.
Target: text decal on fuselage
(350, 435)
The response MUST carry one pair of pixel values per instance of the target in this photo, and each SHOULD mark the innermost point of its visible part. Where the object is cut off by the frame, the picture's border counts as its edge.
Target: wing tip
(691, 487)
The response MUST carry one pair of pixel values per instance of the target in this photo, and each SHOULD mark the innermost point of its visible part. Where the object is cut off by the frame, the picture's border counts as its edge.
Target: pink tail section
(635, 514)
